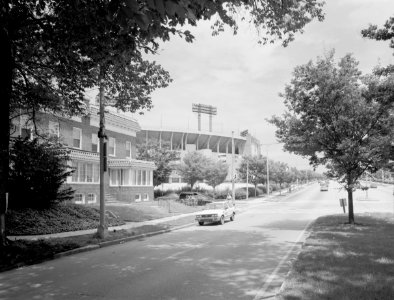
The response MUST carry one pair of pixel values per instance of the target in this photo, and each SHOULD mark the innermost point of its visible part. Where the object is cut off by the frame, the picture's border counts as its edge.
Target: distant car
(194, 198)
(373, 185)
(323, 187)
(217, 212)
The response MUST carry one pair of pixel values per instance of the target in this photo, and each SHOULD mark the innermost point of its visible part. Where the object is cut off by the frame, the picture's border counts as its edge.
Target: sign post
(343, 203)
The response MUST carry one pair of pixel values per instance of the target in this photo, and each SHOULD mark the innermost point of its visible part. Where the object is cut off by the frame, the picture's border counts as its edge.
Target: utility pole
(247, 179)
(102, 229)
(268, 176)
(232, 166)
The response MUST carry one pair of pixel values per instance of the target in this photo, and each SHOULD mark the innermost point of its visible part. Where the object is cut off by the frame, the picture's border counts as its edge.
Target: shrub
(38, 170)
(239, 194)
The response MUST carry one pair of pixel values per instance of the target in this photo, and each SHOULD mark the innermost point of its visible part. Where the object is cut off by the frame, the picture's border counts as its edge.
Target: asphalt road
(245, 259)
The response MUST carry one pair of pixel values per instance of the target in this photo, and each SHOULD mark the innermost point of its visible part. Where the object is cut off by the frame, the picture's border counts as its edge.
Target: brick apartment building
(127, 180)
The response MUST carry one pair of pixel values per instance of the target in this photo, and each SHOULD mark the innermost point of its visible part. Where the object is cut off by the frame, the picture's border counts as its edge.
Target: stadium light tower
(204, 109)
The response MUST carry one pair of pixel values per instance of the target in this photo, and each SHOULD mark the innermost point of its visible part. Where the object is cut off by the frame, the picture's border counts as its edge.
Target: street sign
(343, 203)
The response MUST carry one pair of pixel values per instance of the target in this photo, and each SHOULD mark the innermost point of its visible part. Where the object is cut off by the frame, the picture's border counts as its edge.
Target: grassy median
(340, 261)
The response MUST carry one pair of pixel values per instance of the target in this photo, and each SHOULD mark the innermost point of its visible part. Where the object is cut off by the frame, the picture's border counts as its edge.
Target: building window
(119, 177)
(89, 172)
(137, 198)
(77, 138)
(85, 172)
(143, 182)
(111, 146)
(138, 180)
(54, 129)
(79, 199)
(74, 177)
(133, 177)
(96, 172)
(129, 177)
(95, 143)
(148, 175)
(91, 198)
(175, 180)
(128, 149)
(145, 197)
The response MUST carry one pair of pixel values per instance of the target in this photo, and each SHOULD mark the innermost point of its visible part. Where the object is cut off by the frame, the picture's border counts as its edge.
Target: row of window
(54, 130)
(85, 172)
(92, 199)
(89, 199)
(111, 144)
(90, 173)
(130, 177)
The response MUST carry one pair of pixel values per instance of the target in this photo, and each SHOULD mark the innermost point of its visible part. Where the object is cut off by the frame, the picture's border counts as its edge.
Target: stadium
(215, 145)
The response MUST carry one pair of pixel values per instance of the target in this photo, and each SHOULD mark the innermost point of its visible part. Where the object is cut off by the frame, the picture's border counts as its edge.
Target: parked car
(217, 212)
(373, 185)
(194, 198)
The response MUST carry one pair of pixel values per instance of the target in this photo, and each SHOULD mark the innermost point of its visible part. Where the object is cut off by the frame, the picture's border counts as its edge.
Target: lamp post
(247, 179)
(268, 176)
(232, 167)
(102, 228)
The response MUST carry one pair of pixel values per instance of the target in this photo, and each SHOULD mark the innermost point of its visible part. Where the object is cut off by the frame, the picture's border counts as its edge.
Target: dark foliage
(38, 170)
(59, 218)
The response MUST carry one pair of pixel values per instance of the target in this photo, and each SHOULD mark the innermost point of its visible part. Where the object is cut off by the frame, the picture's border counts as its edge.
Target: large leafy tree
(338, 118)
(257, 167)
(52, 50)
(163, 158)
(281, 173)
(216, 173)
(193, 167)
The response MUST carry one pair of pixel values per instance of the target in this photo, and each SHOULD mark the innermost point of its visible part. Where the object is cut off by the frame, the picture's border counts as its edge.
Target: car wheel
(200, 223)
(222, 220)
(232, 217)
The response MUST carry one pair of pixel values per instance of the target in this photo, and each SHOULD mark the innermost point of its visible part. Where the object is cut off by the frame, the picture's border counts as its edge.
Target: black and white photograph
(197, 149)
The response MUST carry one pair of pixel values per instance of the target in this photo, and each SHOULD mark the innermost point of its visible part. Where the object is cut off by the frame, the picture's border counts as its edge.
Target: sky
(243, 79)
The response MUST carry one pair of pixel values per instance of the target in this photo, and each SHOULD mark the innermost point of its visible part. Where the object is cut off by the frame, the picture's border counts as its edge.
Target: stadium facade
(217, 146)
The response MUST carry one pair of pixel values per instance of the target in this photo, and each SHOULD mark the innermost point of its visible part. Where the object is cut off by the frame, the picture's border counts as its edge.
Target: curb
(118, 241)
(307, 233)
(76, 250)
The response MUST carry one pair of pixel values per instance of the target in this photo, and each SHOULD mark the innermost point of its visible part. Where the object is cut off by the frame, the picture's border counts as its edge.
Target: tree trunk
(350, 203)
(5, 98)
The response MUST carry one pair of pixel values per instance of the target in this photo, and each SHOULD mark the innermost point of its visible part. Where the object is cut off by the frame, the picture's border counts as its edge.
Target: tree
(381, 34)
(193, 167)
(52, 51)
(163, 158)
(280, 173)
(216, 173)
(338, 118)
(37, 173)
(257, 170)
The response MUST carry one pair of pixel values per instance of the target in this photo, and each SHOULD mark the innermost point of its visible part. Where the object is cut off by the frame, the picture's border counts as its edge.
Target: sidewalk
(128, 225)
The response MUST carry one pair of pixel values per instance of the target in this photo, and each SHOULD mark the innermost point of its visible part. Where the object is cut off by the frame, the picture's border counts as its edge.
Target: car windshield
(215, 206)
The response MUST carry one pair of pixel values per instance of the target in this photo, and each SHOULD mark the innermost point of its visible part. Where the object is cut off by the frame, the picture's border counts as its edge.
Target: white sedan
(217, 212)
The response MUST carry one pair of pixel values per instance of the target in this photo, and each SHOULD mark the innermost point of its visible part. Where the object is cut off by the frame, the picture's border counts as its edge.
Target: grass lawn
(340, 261)
(143, 211)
